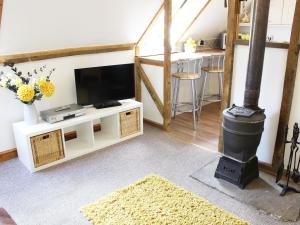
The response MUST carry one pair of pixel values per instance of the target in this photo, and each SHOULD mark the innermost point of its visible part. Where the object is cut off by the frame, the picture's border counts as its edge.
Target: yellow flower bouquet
(30, 87)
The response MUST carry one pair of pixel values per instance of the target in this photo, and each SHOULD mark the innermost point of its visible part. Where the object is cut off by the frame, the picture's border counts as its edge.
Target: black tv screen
(100, 84)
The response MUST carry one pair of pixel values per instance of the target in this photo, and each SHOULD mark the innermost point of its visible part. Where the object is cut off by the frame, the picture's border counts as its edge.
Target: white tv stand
(87, 140)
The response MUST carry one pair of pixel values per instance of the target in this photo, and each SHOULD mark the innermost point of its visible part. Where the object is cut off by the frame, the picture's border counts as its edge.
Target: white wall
(270, 95)
(210, 23)
(33, 25)
(155, 75)
(12, 110)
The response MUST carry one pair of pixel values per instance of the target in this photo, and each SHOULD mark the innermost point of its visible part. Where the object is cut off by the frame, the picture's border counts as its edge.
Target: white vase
(189, 49)
(31, 115)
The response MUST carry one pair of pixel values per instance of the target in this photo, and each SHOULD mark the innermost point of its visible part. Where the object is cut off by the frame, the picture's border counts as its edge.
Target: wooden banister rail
(151, 62)
(34, 56)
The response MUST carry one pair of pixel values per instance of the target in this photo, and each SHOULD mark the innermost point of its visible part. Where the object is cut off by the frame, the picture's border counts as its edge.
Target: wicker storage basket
(47, 148)
(129, 122)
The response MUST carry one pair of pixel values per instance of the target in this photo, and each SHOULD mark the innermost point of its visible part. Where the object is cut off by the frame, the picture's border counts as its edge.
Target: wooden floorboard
(206, 135)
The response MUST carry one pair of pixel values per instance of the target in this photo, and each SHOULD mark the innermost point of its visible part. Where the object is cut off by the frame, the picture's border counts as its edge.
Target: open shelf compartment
(109, 133)
(83, 142)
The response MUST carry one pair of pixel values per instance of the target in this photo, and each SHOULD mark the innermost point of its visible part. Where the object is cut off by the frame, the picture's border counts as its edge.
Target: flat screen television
(99, 84)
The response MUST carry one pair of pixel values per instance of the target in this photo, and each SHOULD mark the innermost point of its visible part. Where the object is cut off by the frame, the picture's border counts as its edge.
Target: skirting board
(152, 123)
(9, 154)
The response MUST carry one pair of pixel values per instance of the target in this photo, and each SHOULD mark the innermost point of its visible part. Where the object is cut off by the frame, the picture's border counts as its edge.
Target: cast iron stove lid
(242, 114)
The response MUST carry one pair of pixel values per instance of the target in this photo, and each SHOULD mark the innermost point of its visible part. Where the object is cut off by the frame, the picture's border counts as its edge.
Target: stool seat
(187, 75)
(213, 69)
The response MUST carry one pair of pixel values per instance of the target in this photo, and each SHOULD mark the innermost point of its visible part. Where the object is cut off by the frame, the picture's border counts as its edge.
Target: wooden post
(1, 7)
(138, 83)
(232, 34)
(288, 88)
(167, 64)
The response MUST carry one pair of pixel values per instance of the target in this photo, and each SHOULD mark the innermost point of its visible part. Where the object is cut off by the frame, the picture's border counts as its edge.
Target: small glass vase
(31, 115)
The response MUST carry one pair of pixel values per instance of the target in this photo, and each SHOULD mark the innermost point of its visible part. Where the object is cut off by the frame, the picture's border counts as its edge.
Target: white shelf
(87, 140)
(104, 139)
(76, 147)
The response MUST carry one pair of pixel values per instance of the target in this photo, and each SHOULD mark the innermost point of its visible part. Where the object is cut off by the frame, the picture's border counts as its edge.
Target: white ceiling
(34, 25)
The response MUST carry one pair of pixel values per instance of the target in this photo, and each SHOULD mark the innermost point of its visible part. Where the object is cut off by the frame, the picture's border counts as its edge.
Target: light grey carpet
(258, 193)
(54, 196)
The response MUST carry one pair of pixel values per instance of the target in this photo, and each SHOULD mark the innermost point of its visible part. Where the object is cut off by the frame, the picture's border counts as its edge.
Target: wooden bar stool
(188, 70)
(215, 66)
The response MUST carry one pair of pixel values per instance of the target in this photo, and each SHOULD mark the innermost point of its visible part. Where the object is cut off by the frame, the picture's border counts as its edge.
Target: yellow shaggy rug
(155, 201)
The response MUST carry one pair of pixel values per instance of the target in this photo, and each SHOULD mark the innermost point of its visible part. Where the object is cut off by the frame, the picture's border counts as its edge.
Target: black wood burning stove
(243, 126)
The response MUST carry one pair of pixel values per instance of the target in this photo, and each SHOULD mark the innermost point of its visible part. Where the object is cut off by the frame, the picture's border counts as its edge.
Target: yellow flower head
(47, 88)
(191, 42)
(25, 93)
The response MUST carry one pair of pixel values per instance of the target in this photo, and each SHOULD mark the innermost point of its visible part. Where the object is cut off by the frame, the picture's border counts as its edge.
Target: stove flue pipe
(257, 51)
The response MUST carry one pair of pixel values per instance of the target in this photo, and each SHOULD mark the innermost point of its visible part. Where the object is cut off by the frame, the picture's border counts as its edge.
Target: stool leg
(173, 94)
(220, 85)
(196, 100)
(202, 91)
(207, 83)
(176, 96)
(194, 104)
